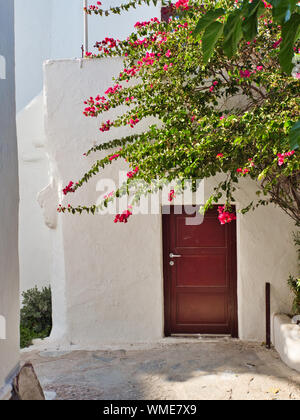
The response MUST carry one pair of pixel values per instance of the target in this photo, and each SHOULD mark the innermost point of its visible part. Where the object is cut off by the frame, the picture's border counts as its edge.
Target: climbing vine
(217, 114)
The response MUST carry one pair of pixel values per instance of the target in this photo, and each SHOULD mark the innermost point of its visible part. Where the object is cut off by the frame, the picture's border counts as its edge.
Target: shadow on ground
(213, 369)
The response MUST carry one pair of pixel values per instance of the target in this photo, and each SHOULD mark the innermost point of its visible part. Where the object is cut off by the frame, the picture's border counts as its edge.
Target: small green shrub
(36, 315)
(295, 287)
(26, 337)
(293, 282)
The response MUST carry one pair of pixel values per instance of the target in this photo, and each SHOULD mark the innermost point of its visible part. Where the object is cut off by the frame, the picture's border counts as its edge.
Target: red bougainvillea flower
(182, 4)
(277, 43)
(245, 74)
(69, 188)
(106, 126)
(123, 218)
(113, 157)
(111, 194)
(267, 5)
(225, 216)
(171, 195)
(243, 171)
(283, 156)
(131, 174)
(220, 155)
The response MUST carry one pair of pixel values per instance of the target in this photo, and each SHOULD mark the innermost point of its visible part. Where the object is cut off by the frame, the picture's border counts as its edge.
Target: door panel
(200, 285)
(208, 234)
(194, 306)
(201, 270)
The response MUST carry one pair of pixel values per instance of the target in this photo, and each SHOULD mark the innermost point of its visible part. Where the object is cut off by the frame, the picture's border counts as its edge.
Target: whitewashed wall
(9, 281)
(34, 236)
(48, 29)
(52, 29)
(107, 279)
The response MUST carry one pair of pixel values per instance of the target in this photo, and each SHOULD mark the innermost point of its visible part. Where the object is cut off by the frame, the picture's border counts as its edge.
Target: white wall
(44, 30)
(34, 236)
(9, 282)
(108, 282)
(52, 29)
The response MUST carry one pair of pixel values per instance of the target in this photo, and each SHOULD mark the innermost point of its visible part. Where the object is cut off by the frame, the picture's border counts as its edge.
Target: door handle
(174, 255)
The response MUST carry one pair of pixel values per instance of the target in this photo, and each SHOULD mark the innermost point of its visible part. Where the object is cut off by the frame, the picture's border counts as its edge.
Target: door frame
(233, 305)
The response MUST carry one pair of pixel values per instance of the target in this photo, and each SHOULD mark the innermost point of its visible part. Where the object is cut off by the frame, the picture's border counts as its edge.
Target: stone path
(210, 369)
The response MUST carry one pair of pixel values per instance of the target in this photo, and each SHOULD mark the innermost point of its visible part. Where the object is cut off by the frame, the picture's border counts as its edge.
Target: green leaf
(290, 33)
(282, 9)
(206, 20)
(249, 25)
(232, 33)
(295, 136)
(210, 37)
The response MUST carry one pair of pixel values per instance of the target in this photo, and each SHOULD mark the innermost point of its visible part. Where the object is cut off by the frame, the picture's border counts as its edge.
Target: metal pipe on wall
(86, 29)
(268, 315)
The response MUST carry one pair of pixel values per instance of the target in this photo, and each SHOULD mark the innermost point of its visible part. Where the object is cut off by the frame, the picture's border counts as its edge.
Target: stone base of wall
(287, 341)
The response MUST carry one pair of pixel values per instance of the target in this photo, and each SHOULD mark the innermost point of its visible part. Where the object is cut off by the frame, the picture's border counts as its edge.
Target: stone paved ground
(209, 369)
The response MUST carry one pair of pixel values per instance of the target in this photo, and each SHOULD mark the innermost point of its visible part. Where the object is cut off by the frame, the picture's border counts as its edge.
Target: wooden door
(200, 285)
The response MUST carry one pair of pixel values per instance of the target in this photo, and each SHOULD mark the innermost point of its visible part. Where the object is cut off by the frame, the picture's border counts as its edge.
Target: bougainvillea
(231, 116)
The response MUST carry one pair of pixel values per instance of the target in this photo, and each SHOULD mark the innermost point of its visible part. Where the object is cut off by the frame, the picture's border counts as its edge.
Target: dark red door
(200, 275)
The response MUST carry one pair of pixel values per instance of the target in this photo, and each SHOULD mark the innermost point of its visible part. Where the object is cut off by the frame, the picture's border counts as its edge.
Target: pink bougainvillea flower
(131, 174)
(220, 155)
(69, 188)
(225, 216)
(267, 5)
(133, 121)
(282, 156)
(182, 4)
(243, 171)
(113, 157)
(123, 218)
(280, 159)
(245, 74)
(277, 43)
(111, 194)
(106, 126)
(171, 195)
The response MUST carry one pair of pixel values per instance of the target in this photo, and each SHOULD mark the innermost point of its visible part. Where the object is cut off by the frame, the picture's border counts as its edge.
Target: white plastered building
(109, 280)
(9, 201)
(46, 30)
